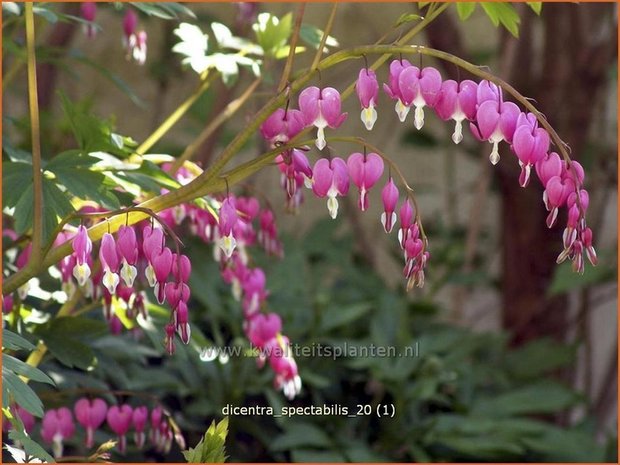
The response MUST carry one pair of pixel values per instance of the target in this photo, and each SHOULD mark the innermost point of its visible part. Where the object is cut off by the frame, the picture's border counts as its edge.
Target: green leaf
(544, 397)
(14, 341)
(87, 185)
(313, 35)
(336, 316)
(24, 396)
(273, 33)
(44, 12)
(56, 205)
(407, 18)
(16, 180)
(91, 133)
(504, 13)
(64, 336)
(154, 9)
(565, 279)
(211, 448)
(537, 358)
(465, 9)
(15, 154)
(535, 6)
(300, 435)
(31, 448)
(17, 366)
(558, 445)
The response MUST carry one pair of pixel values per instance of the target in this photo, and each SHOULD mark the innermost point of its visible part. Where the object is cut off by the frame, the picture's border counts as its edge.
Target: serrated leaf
(465, 9)
(24, 396)
(13, 341)
(535, 6)
(17, 366)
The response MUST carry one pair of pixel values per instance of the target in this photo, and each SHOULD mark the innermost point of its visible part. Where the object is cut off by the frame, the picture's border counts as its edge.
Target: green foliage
(164, 10)
(498, 13)
(272, 33)
(211, 448)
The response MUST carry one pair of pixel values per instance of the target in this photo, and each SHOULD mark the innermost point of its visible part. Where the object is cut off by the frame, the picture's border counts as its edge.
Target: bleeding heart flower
(330, 178)
(530, 143)
(365, 171)
(420, 88)
(90, 414)
(389, 195)
(119, 421)
(393, 88)
(457, 101)
(109, 262)
(321, 108)
(367, 89)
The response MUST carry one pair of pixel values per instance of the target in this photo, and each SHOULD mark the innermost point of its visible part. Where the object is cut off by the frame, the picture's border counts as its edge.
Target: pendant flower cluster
(491, 119)
(91, 414)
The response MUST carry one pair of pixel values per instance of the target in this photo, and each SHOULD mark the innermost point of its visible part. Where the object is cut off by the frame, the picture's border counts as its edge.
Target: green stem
(326, 31)
(37, 182)
(293, 44)
(220, 119)
(206, 182)
(174, 117)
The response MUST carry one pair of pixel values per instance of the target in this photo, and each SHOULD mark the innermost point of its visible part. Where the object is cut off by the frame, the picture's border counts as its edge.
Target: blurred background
(518, 356)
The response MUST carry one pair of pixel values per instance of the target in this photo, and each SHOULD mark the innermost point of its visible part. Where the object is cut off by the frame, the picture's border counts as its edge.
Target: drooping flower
(321, 108)
(127, 246)
(90, 414)
(182, 322)
(393, 90)
(548, 166)
(555, 195)
(496, 120)
(119, 420)
(254, 293)
(282, 125)
(227, 221)
(82, 247)
(367, 89)
(419, 88)
(139, 418)
(330, 178)
(162, 266)
(88, 11)
(530, 144)
(152, 244)
(57, 425)
(389, 195)
(284, 366)
(407, 214)
(365, 171)
(263, 328)
(457, 101)
(109, 262)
